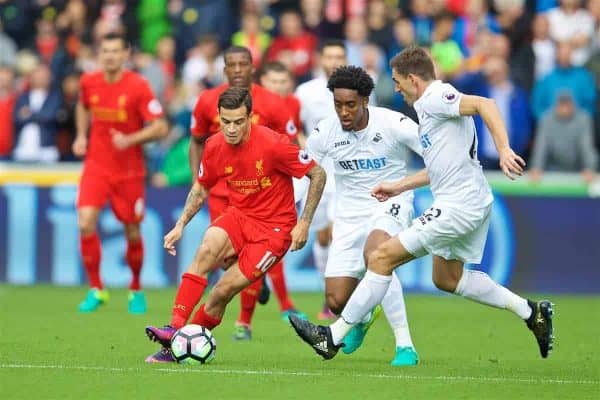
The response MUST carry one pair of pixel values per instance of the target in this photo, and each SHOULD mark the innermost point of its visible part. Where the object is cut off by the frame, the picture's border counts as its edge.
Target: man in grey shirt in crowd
(564, 141)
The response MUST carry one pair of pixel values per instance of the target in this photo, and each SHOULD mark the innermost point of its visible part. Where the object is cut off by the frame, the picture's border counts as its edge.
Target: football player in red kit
(268, 110)
(121, 113)
(258, 226)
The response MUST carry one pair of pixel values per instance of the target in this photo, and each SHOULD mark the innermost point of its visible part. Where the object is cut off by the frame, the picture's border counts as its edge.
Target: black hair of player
(237, 50)
(353, 78)
(235, 97)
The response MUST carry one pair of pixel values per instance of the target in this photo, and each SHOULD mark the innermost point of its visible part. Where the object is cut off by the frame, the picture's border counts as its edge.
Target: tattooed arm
(193, 203)
(317, 177)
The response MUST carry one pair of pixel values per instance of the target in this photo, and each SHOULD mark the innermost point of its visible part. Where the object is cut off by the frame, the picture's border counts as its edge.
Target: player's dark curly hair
(353, 78)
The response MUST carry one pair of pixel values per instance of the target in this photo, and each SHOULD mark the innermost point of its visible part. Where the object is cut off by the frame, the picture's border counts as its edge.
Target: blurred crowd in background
(539, 60)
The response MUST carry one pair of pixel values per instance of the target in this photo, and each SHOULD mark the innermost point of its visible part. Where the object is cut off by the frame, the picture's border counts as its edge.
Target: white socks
(320, 254)
(369, 292)
(395, 312)
(478, 286)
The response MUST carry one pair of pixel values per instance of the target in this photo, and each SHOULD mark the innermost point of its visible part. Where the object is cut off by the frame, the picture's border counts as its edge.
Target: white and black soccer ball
(193, 344)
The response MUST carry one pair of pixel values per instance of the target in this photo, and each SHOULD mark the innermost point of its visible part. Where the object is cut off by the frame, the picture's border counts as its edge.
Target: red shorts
(126, 196)
(257, 247)
(216, 205)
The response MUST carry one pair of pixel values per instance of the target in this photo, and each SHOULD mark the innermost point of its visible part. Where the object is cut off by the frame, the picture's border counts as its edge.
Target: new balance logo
(377, 138)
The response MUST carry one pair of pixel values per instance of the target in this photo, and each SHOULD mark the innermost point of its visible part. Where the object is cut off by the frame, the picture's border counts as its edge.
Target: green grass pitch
(468, 351)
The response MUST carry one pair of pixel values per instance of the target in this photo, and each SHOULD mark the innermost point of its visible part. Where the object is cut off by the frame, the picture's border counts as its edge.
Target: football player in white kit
(366, 144)
(316, 103)
(454, 229)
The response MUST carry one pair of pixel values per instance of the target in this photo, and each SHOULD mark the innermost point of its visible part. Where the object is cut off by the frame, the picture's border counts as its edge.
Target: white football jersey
(364, 158)
(449, 143)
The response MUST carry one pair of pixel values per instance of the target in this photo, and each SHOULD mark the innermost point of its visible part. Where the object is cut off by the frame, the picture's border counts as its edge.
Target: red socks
(277, 278)
(90, 254)
(248, 299)
(202, 318)
(135, 259)
(188, 295)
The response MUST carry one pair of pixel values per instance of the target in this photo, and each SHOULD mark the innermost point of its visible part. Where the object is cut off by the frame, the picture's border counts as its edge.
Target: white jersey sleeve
(405, 131)
(316, 144)
(445, 102)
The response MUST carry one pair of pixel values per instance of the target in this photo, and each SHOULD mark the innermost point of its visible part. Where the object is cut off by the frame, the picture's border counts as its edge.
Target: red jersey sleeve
(200, 124)
(291, 159)
(147, 104)
(206, 172)
(283, 120)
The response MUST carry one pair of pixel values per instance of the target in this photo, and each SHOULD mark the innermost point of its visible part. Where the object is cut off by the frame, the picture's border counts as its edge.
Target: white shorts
(350, 235)
(449, 231)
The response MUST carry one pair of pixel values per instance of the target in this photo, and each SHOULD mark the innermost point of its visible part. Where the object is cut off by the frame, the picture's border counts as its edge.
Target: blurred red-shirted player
(268, 110)
(255, 230)
(121, 112)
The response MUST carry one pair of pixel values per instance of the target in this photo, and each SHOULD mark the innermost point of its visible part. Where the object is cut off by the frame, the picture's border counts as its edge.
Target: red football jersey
(125, 105)
(268, 108)
(258, 174)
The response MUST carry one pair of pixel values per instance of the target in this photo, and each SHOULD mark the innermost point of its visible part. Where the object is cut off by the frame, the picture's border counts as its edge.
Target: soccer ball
(193, 344)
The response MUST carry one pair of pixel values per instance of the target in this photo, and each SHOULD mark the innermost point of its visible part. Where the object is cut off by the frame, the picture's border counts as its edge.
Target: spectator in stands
(35, 119)
(572, 24)
(8, 48)
(443, 48)
(374, 63)
(194, 19)
(319, 21)
(51, 51)
(564, 141)
(475, 21)
(356, 38)
(252, 37)
(544, 47)
(204, 67)
(379, 23)
(403, 36)
(513, 104)
(7, 103)
(295, 41)
(565, 76)
(154, 23)
(422, 21)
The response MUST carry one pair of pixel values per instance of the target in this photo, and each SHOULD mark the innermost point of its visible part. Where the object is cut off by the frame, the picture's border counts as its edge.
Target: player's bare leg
(452, 277)
(231, 283)
(326, 341)
(87, 219)
(215, 250)
(136, 303)
(394, 309)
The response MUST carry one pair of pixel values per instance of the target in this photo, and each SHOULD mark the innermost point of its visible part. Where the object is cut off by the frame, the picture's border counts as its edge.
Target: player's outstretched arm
(299, 234)
(384, 190)
(510, 162)
(193, 203)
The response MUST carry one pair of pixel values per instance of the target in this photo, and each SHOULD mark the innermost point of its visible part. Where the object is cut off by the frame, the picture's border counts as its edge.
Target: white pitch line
(208, 370)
